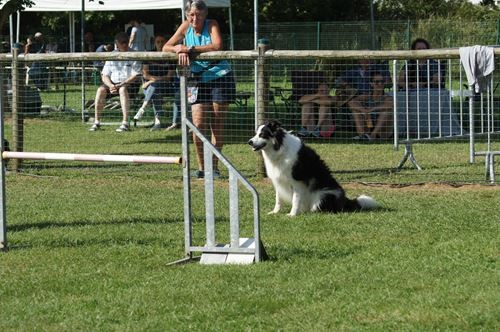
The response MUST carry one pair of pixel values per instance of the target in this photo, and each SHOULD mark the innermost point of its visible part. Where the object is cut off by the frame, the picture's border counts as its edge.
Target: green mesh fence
(387, 35)
(345, 35)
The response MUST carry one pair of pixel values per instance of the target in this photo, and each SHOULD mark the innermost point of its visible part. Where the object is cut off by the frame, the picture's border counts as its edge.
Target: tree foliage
(106, 24)
(12, 6)
(424, 9)
(307, 10)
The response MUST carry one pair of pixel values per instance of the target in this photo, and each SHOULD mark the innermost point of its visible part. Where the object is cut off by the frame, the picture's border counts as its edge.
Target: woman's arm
(145, 73)
(356, 105)
(307, 99)
(402, 78)
(174, 44)
(132, 37)
(386, 106)
(215, 35)
(149, 77)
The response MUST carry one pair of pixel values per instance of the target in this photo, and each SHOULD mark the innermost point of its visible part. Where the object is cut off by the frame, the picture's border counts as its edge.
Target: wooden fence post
(17, 116)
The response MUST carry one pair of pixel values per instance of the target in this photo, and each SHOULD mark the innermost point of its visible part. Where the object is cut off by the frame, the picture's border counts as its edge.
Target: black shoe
(198, 174)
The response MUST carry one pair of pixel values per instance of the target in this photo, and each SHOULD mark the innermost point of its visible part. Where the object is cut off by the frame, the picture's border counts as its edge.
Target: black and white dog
(300, 176)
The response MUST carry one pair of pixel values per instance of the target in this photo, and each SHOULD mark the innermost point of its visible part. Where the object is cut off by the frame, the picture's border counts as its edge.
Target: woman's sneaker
(329, 132)
(172, 126)
(156, 126)
(365, 138)
(139, 114)
(198, 174)
(316, 132)
(123, 127)
(303, 132)
(95, 127)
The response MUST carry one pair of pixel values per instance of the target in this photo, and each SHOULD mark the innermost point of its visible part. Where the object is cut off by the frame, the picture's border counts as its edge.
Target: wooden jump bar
(91, 157)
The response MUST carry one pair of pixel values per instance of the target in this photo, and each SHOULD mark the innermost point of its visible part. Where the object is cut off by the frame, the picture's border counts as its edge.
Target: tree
(12, 6)
(423, 9)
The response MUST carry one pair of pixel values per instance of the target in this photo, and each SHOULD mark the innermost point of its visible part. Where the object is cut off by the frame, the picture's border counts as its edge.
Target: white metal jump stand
(240, 250)
(408, 154)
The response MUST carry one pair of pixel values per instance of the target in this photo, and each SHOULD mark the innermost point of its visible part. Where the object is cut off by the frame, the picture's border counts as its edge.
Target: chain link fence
(388, 35)
(347, 35)
(57, 106)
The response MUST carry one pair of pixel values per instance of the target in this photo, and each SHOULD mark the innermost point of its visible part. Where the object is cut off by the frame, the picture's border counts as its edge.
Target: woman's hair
(197, 4)
(375, 73)
(420, 40)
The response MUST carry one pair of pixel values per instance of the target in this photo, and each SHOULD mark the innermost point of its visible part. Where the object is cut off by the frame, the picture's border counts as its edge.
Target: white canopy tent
(72, 6)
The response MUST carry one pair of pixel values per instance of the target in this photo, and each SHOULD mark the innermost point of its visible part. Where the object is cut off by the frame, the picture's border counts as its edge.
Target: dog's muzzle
(256, 146)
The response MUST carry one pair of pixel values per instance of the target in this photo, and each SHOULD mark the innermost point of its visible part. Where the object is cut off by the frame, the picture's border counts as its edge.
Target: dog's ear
(274, 125)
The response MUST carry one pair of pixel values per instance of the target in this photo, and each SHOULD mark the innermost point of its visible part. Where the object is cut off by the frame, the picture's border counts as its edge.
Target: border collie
(300, 176)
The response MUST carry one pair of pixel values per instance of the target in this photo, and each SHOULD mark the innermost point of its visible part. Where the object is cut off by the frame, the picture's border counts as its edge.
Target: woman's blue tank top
(209, 71)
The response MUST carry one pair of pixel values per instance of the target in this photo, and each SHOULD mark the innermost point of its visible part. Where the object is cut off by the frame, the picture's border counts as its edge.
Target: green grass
(90, 243)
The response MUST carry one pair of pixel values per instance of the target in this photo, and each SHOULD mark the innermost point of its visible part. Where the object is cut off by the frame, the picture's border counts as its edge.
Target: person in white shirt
(138, 40)
(119, 78)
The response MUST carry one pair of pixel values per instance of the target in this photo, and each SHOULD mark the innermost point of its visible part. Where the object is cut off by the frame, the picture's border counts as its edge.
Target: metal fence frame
(240, 250)
(260, 57)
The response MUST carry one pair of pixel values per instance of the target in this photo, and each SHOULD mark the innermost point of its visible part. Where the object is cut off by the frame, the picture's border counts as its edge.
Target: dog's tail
(362, 202)
(367, 202)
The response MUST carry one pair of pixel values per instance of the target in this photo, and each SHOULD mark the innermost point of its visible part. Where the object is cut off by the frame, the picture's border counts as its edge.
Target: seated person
(322, 124)
(160, 80)
(373, 107)
(102, 48)
(431, 74)
(37, 73)
(358, 78)
(119, 78)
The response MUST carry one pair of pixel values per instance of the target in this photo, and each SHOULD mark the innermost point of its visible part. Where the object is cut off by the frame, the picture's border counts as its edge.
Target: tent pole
(71, 32)
(231, 38)
(82, 27)
(11, 28)
(18, 33)
(256, 37)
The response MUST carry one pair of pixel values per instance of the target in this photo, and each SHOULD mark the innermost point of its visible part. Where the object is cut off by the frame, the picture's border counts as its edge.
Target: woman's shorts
(221, 91)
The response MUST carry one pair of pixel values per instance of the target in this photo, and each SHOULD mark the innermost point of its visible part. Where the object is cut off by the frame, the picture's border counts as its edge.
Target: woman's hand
(179, 48)
(184, 59)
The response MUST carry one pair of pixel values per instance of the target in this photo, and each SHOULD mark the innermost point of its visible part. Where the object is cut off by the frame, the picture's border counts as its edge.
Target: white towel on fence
(479, 63)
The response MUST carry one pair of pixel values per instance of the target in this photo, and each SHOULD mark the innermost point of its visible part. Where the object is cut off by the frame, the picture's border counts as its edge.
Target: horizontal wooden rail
(91, 157)
(442, 53)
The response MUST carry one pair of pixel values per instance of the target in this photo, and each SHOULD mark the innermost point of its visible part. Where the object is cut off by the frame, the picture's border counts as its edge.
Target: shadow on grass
(293, 253)
(366, 170)
(76, 224)
(110, 240)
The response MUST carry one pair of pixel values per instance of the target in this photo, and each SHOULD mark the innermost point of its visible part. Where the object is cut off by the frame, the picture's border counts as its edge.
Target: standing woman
(427, 74)
(216, 88)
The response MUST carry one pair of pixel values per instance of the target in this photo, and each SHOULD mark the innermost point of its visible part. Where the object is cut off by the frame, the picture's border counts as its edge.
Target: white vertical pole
(82, 28)
(18, 31)
(255, 45)
(231, 37)
(11, 28)
(3, 220)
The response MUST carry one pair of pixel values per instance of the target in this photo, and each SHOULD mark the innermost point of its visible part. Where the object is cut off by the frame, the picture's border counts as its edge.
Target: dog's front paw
(292, 214)
(273, 212)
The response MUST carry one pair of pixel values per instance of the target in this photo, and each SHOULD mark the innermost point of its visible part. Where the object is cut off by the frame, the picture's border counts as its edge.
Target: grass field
(90, 243)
